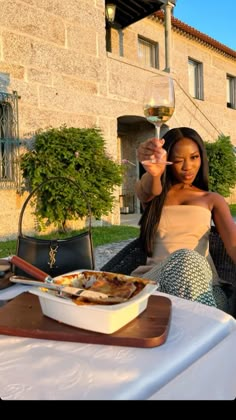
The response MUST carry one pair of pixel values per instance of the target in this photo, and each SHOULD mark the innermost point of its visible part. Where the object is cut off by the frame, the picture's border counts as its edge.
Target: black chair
(132, 255)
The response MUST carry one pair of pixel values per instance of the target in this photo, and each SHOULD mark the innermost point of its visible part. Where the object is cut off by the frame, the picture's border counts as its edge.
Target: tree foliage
(76, 153)
(222, 165)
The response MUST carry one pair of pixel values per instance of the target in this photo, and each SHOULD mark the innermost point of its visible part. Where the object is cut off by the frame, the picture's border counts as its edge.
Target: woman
(178, 209)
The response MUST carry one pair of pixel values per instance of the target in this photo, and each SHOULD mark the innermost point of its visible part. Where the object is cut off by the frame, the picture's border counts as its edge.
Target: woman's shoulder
(215, 196)
(216, 199)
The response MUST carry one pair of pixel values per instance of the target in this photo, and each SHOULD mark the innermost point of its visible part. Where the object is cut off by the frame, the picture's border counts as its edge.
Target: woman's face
(186, 159)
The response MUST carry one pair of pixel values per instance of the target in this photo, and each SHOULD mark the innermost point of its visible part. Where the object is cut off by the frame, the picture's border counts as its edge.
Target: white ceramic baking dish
(100, 318)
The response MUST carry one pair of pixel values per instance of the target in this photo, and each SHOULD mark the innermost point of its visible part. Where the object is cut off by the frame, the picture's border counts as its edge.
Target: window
(9, 140)
(231, 91)
(148, 52)
(195, 74)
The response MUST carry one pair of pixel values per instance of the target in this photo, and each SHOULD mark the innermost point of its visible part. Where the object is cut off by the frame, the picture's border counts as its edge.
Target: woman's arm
(148, 187)
(224, 224)
(150, 184)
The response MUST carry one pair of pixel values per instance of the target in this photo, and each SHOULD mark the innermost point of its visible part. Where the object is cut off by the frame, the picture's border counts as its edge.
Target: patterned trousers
(187, 274)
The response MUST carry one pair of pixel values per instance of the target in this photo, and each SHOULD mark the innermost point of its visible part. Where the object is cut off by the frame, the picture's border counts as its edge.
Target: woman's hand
(150, 150)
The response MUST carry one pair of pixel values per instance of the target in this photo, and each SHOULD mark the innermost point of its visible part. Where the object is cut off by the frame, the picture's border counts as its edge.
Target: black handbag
(56, 256)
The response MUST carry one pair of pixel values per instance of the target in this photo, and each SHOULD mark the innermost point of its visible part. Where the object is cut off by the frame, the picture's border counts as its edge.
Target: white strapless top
(181, 226)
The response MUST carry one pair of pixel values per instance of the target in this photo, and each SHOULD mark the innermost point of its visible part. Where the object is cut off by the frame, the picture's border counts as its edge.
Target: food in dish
(118, 287)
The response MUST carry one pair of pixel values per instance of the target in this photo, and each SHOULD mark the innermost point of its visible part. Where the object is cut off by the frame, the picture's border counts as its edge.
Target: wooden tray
(23, 317)
(5, 280)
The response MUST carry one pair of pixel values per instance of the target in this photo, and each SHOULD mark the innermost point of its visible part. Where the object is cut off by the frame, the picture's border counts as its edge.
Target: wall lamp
(110, 12)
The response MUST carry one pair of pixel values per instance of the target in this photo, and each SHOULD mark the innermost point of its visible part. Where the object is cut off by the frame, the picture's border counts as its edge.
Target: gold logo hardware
(52, 256)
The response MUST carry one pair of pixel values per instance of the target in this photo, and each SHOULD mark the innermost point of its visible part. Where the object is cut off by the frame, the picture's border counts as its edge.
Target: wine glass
(159, 104)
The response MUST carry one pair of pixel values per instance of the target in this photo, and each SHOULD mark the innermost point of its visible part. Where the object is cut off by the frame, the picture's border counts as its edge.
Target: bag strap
(54, 178)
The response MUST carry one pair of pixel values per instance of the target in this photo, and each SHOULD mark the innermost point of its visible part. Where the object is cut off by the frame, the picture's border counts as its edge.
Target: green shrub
(233, 209)
(76, 153)
(222, 165)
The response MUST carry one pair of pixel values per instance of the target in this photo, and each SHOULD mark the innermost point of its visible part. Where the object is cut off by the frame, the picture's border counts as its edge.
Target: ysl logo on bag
(52, 255)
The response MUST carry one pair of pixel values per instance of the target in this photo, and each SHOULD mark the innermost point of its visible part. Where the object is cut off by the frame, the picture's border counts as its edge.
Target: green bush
(76, 153)
(222, 165)
(233, 209)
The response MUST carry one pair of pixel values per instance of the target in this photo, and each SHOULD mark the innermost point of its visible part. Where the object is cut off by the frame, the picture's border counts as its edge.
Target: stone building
(63, 63)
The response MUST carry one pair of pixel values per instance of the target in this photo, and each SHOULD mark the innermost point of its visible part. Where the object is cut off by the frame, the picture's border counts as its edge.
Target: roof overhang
(131, 11)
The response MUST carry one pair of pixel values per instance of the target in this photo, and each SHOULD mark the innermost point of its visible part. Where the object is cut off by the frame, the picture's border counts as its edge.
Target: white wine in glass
(159, 103)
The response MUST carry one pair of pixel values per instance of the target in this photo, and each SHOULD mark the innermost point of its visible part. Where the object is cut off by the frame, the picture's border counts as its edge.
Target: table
(211, 377)
(52, 370)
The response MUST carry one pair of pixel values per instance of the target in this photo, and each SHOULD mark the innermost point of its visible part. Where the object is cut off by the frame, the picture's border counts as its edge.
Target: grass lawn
(101, 236)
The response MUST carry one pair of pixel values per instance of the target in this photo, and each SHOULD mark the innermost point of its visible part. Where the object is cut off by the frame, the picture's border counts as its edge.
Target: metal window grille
(9, 141)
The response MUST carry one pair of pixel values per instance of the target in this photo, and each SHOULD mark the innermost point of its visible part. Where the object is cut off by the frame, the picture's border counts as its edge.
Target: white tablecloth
(45, 369)
(212, 377)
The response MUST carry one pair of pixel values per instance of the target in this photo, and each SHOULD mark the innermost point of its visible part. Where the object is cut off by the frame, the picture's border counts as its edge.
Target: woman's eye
(178, 161)
(195, 157)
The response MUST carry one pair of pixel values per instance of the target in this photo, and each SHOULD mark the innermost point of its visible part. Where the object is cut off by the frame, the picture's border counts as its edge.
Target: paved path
(104, 253)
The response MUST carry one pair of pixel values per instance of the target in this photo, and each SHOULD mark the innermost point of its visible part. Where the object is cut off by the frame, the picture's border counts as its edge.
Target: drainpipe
(168, 13)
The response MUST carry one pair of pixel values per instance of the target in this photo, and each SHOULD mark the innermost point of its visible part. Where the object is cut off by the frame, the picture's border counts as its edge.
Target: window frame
(154, 51)
(197, 90)
(230, 91)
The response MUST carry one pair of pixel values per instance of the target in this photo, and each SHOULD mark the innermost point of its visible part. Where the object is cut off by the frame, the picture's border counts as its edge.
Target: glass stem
(157, 131)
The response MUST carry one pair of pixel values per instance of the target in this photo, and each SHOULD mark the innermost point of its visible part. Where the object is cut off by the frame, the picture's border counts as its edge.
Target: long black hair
(152, 213)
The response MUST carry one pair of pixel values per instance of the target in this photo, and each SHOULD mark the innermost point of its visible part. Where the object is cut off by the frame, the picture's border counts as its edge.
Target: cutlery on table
(47, 281)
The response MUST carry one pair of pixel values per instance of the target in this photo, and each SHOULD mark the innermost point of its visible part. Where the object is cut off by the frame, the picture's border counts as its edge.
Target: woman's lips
(188, 176)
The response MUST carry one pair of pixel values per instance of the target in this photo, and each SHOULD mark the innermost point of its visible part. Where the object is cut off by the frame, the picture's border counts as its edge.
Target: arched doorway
(132, 130)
